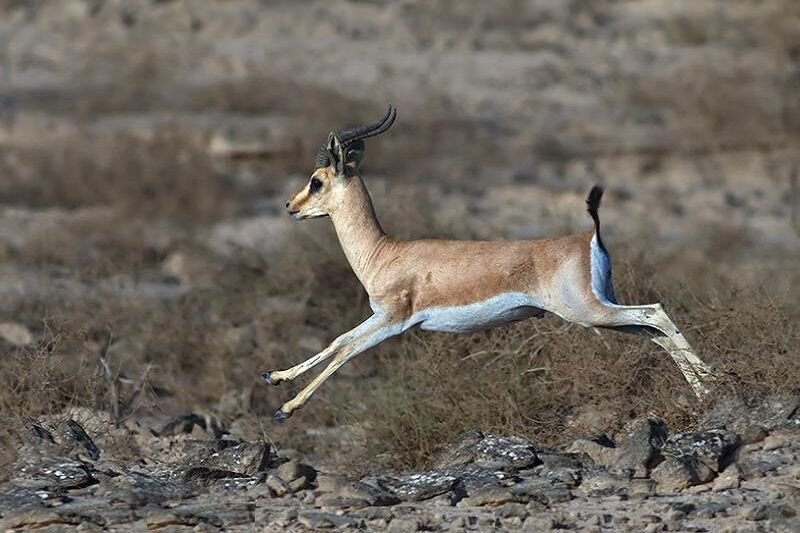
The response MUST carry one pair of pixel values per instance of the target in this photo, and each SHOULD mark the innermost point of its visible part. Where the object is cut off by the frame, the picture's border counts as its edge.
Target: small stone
(775, 442)
(490, 496)
(509, 510)
(335, 501)
(320, 520)
(277, 486)
(640, 447)
(349, 488)
(403, 525)
(729, 479)
(678, 473)
(15, 334)
(291, 470)
(538, 523)
(601, 451)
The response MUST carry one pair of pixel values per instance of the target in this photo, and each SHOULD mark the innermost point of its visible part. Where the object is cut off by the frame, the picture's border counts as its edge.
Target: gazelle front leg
(372, 332)
(277, 376)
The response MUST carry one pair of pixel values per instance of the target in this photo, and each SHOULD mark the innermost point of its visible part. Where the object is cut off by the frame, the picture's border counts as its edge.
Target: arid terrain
(149, 273)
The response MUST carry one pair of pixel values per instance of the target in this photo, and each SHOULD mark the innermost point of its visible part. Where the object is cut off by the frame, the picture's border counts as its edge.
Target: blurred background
(147, 147)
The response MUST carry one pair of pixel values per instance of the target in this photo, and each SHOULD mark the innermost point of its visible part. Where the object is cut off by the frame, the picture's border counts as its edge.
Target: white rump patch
(496, 311)
(600, 265)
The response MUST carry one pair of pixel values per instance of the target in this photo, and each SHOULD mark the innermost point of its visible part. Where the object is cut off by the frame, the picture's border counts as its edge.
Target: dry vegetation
(544, 379)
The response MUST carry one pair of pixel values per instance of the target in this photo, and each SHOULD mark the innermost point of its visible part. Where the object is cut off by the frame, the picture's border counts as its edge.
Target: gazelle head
(336, 163)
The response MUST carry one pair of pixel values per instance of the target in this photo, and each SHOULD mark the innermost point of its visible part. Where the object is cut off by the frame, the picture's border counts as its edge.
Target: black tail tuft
(593, 204)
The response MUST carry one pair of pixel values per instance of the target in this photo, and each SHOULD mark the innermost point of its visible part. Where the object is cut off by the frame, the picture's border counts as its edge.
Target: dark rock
(189, 423)
(137, 488)
(415, 486)
(677, 473)
(487, 451)
(72, 435)
(739, 414)
(640, 449)
(203, 474)
(335, 501)
(601, 483)
(552, 460)
(201, 513)
(52, 474)
(714, 448)
(542, 490)
(345, 487)
(246, 458)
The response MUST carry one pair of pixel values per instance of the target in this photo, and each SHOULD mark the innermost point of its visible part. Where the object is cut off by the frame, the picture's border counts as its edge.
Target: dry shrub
(168, 176)
(551, 381)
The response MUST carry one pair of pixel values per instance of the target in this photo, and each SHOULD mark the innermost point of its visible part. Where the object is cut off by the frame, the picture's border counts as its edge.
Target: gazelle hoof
(267, 377)
(280, 416)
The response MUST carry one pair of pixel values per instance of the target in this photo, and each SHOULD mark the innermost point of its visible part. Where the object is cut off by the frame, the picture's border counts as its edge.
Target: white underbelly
(477, 316)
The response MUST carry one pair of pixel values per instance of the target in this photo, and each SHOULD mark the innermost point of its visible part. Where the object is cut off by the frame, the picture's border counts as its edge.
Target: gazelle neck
(357, 226)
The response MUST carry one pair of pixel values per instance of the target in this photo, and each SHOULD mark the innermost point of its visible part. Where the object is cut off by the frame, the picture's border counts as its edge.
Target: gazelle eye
(315, 185)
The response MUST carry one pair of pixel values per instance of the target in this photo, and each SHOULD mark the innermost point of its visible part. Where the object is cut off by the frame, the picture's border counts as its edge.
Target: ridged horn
(354, 134)
(348, 137)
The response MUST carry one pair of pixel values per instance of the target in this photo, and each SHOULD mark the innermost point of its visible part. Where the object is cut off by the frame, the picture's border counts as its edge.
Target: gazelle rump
(461, 286)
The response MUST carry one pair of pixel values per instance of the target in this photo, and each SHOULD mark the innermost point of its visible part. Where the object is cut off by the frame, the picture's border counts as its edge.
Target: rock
(277, 486)
(321, 520)
(334, 501)
(728, 479)
(293, 470)
(15, 334)
(404, 525)
(487, 451)
(640, 448)
(53, 473)
(492, 496)
(775, 442)
(677, 473)
(739, 414)
(772, 511)
(714, 448)
(356, 490)
(246, 458)
(509, 510)
(415, 486)
(538, 523)
(71, 436)
(137, 488)
(191, 424)
(602, 483)
(600, 449)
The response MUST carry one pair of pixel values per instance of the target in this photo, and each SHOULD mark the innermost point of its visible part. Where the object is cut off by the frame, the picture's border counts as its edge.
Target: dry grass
(545, 379)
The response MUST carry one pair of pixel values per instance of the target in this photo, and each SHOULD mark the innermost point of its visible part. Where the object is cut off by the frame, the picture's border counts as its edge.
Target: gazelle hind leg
(665, 335)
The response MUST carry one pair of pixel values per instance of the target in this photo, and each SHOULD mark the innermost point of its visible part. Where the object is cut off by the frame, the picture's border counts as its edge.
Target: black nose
(287, 205)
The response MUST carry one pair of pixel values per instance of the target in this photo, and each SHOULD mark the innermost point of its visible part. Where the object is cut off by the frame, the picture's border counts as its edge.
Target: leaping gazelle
(461, 286)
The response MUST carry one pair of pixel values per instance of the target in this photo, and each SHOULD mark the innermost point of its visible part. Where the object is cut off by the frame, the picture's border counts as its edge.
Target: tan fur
(406, 279)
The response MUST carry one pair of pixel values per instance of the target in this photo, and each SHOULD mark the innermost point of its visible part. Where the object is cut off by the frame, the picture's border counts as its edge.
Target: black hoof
(267, 377)
(280, 416)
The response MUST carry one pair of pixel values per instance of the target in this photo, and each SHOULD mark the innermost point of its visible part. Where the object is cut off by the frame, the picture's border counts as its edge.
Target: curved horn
(347, 137)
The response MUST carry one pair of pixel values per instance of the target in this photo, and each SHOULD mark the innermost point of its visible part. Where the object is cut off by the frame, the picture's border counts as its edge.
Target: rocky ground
(737, 471)
(147, 269)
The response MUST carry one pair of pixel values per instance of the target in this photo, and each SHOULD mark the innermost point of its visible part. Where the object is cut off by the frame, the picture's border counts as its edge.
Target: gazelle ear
(337, 153)
(354, 154)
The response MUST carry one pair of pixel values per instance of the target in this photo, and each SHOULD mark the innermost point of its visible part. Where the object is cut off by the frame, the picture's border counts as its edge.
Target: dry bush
(547, 380)
(169, 176)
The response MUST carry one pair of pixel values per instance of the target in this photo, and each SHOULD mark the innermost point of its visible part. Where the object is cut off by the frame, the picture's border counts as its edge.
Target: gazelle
(461, 286)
